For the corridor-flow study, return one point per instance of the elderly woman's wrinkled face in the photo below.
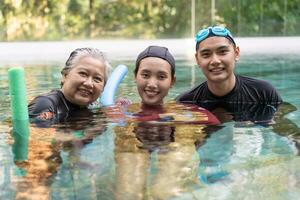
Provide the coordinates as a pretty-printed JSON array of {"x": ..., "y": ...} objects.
[{"x": 85, "y": 81}]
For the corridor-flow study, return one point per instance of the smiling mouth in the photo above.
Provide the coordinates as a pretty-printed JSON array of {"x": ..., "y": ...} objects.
[
  {"x": 85, "y": 93},
  {"x": 151, "y": 93},
  {"x": 217, "y": 70}
]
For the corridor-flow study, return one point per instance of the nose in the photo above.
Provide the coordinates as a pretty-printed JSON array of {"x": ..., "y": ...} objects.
[
  {"x": 88, "y": 82},
  {"x": 152, "y": 83},
  {"x": 215, "y": 60}
]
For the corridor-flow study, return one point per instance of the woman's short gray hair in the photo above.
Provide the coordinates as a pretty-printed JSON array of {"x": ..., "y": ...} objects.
[{"x": 79, "y": 53}]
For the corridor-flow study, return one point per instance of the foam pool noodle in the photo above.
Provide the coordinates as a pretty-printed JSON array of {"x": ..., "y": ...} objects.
[
  {"x": 108, "y": 95},
  {"x": 18, "y": 100}
]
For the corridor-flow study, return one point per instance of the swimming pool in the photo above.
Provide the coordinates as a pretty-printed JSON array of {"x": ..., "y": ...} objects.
[{"x": 99, "y": 158}]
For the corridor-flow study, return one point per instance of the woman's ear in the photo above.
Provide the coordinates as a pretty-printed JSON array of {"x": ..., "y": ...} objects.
[
  {"x": 63, "y": 79},
  {"x": 173, "y": 81}
]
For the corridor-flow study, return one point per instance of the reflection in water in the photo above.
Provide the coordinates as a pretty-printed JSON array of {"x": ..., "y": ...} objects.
[
  {"x": 21, "y": 139},
  {"x": 155, "y": 151},
  {"x": 284, "y": 126},
  {"x": 247, "y": 139},
  {"x": 44, "y": 154},
  {"x": 154, "y": 137},
  {"x": 256, "y": 113},
  {"x": 87, "y": 172},
  {"x": 154, "y": 162},
  {"x": 41, "y": 165},
  {"x": 166, "y": 158},
  {"x": 273, "y": 116},
  {"x": 237, "y": 158}
]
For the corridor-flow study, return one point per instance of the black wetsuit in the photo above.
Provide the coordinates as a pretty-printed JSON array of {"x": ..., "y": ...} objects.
[
  {"x": 250, "y": 99},
  {"x": 54, "y": 103}
]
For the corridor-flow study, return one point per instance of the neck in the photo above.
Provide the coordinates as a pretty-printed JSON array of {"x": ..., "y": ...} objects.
[
  {"x": 152, "y": 108},
  {"x": 222, "y": 88}
]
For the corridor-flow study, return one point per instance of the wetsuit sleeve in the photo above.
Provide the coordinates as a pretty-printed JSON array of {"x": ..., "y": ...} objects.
[
  {"x": 194, "y": 95},
  {"x": 39, "y": 106},
  {"x": 187, "y": 97}
]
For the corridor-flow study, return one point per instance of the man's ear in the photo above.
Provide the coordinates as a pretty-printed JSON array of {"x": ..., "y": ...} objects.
[
  {"x": 196, "y": 58},
  {"x": 237, "y": 53}
]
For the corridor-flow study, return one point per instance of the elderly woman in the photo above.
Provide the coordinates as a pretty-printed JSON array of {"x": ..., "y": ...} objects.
[{"x": 83, "y": 79}]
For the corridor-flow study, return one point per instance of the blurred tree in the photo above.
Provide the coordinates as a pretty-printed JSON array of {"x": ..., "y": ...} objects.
[
  {"x": 90, "y": 19},
  {"x": 6, "y": 10}
]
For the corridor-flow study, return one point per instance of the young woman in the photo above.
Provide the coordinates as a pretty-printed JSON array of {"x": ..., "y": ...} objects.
[
  {"x": 154, "y": 74},
  {"x": 83, "y": 79}
]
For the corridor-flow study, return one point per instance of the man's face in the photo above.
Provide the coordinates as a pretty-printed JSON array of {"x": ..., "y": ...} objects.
[{"x": 216, "y": 57}]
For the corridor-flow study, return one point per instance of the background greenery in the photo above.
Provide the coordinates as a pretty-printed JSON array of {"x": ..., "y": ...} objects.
[{"x": 98, "y": 19}]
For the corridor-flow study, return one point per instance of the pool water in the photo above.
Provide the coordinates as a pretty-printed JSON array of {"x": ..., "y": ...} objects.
[{"x": 101, "y": 156}]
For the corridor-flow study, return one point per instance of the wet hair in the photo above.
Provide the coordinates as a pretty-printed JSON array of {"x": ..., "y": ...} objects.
[
  {"x": 80, "y": 53},
  {"x": 158, "y": 52}
]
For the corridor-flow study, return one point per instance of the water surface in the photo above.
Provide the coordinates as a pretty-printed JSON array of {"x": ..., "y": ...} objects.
[{"x": 101, "y": 157}]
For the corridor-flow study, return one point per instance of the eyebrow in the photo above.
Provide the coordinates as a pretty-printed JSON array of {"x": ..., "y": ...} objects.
[
  {"x": 145, "y": 70},
  {"x": 223, "y": 47},
  {"x": 149, "y": 71},
  {"x": 97, "y": 74},
  {"x": 218, "y": 48},
  {"x": 82, "y": 68}
]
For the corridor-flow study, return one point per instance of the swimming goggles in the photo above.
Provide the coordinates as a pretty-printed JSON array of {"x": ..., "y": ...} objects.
[{"x": 213, "y": 31}]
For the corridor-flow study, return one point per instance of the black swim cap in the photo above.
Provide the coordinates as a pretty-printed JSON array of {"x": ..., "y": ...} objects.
[{"x": 159, "y": 52}]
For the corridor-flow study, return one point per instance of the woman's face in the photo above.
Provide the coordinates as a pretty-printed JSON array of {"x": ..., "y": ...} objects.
[
  {"x": 84, "y": 83},
  {"x": 153, "y": 79}
]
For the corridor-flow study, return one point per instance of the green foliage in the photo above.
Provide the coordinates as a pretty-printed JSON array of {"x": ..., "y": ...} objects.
[{"x": 92, "y": 19}]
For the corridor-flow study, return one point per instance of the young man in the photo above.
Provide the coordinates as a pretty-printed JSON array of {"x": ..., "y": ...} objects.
[{"x": 216, "y": 55}]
